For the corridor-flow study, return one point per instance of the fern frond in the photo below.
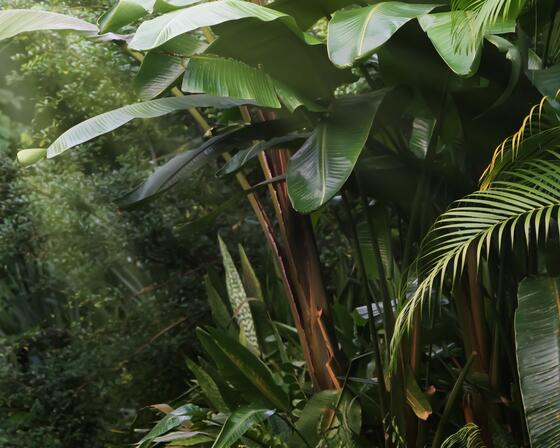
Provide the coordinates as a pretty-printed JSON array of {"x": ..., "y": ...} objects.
[
  {"x": 525, "y": 203},
  {"x": 540, "y": 129},
  {"x": 469, "y": 436}
]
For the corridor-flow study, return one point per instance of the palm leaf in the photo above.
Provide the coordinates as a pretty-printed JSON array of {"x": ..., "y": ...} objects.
[
  {"x": 537, "y": 339},
  {"x": 524, "y": 203},
  {"x": 16, "y": 21},
  {"x": 469, "y": 436}
]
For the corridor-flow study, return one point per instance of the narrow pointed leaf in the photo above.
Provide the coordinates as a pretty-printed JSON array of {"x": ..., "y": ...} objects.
[
  {"x": 238, "y": 423},
  {"x": 16, "y": 21},
  {"x": 537, "y": 339},
  {"x": 355, "y": 34},
  {"x": 208, "y": 386},
  {"x": 326, "y": 160},
  {"x": 229, "y": 78},
  {"x": 247, "y": 373}
]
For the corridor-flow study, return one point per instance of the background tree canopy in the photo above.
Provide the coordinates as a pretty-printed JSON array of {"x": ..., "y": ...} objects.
[{"x": 311, "y": 223}]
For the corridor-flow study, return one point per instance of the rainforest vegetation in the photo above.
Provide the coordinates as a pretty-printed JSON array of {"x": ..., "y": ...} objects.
[{"x": 287, "y": 223}]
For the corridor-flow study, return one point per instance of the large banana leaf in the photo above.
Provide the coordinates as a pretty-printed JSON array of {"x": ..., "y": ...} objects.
[
  {"x": 248, "y": 374},
  {"x": 355, "y": 34},
  {"x": 326, "y": 160},
  {"x": 109, "y": 121},
  {"x": 163, "y": 66},
  {"x": 123, "y": 13},
  {"x": 16, "y": 21},
  {"x": 172, "y": 5},
  {"x": 463, "y": 59},
  {"x": 537, "y": 339},
  {"x": 238, "y": 423},
  {"x": 304, "y": 69},
  {"x": 156, "y": 32},
  {"x": 229, "y": 78},
  {"x": 183, "y": 165}
]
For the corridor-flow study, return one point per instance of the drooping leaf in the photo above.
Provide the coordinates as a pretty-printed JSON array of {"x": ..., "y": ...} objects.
[
  {"x": 208, "y": 386},
  {"x": 238, "y": 423},
  {"x": 355, "y": 34},
  {"x": 463, "y": 59},
  {"x": 172, "y": 421},
  {"x": 156, "y": 32},
  {"x": 244, "y": 156},
  {"x": 229, "y": 78},
  {"x": 109, "y": 121},
  {"x": 183, "y": 165},
  {"x": 326, "y": 160},
  {"x": 248, "y": 374},
  {"x": 124, "y": 13},
  {"x": 163, "y": 66},
  {"x": 537, "y": 340},
  {"x": 16, "y": 21},
  {"x": 239, "y": 301}
]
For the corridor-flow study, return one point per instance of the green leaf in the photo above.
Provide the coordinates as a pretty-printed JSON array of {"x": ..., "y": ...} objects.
[
  {"x": 229, "y": 78},
  {"x": 208, "y": 386},
  {"x": 173, "y": 5},
  {"x": 250, "y": 279},
  {"x": 244, "y": 156},
  {"x": 537, "y": 340},
  {"x": 355, "y": 34},
  {"x": 417, "y": 399},
  {"x": 248, "y": 374},
  {"x": 326, "y": 160},
  {"x": 183, "y": 165},
  {"x": 513, "y": 54},
  {"x": 220, "y": 313},
  {"x": 469, "y": 436},
  {"x": 28, "y": 157},
  {"x": 124, "y": 13},
  {"x": 463, "y": 59},
  {"x": 156, "y": 32},
  {"x": 238, "y": 423},
  {"x": 171, "y": 421},
  {"x": 239, "y": 301},
  {"x": 16, "y": 21},
  {"x": 546, "y": 80},
  {"x": 163, "y": 66},
  {"x": 109, "y": 121}
]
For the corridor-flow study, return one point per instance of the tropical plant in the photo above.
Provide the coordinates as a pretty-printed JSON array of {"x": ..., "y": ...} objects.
[{"x": 393, "y": 115}]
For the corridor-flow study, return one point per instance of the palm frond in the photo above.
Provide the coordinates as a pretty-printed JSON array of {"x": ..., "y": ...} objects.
[
  {"x": 525, "y": 203},
  {"x": 469, "y": 436},
  {"x": 481, "y": 16},
  {"x": 540, "y": 129}
]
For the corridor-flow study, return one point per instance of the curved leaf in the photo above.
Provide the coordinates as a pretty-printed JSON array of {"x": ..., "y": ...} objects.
[
  {"x": 156, "y": 32},
  {"x": 462, "y": 58},
  {"x": 244, "y": 156},
  {"x": 16, "y": 21},
  {"x": 172, "y": 5},
  {"x": 326, "y": 160},
  {"x": 229, "y": 78},
  {"x": 27, "y": 157},
  {"x": 124, "y": 13},
  {"x": 355, "y": 34},
  {"x": 537, "y": 340},
  {"x": 238, "y": 423},
  {"x": 183, "y": 165},
  {"x": 248, "y": 374},
  {"x": 162, "y": 67},
  {"x": 109, "y": 121}
]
